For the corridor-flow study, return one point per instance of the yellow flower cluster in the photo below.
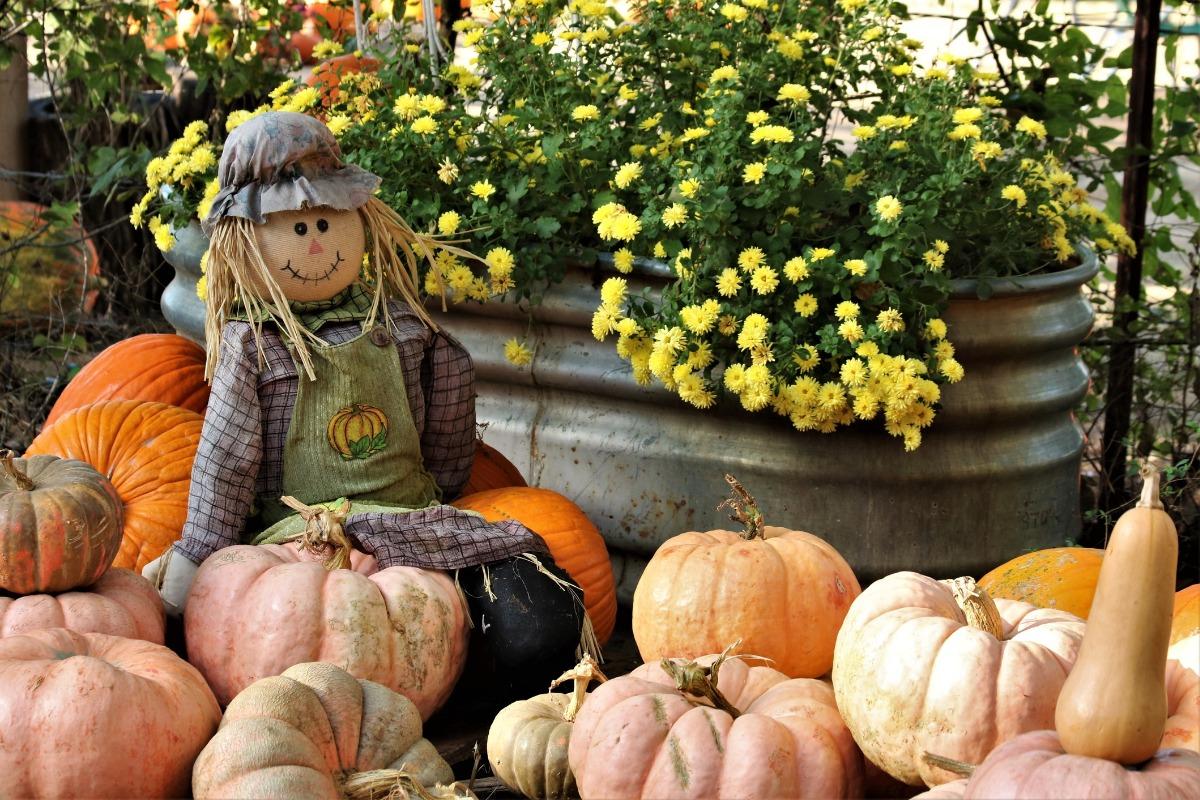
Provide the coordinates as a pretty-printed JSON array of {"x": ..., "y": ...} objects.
[
  {"x": 183, "y": 169},
  {"x": 614, "y": 222}
]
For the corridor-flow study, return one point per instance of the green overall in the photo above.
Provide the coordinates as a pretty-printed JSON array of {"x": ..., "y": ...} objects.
[{"x": 351, "y": 436}]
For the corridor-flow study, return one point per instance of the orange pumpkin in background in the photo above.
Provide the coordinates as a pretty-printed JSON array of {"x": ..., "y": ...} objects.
[
  {"x": 146, "y": 449},
  {"x": 491, "y": 470},
  {"x": 1057, "y": 577},
  {"x": 162, "y": 367},
  {"x": 1185, "y": 620},
  {"x": 59, "y": 268},
  {"x": 574, "y": 541}
]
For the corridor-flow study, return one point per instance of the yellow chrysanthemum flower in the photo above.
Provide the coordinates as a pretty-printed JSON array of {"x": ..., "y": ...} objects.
[
  {"x": 968, "y": 130},
  {"x": 750, "y": 258},
  {"x": 864, "y": 132},
  {"x": 689, "y": 188},
  {"x": 500, "y": 262},
  {"x": 776, "y": 134},
  {"x": 819, "y": 254},
  {"x": 888, "y": 208},
  {"x": 448, "y": 222},
  {"x": 626, "y": 174},
  {"x": 1014, "y": 193},
  {"x": 805, "y": 305},
  {"x": 483, "y": 189},
  {"x": 847, "y": 309},
  {"x": 517, "y": 353},
  {"x": 728, "y": 282},
  {"x": 764, "y": 280},
  {"x": 856, "y": 267},
  {"x": 1032, "y": 127},
  {"x": 756, "y": 118},
  {"x": 623, "y": 260},
  {"x": 796, "y": 269},
  {"x": 890, "y": 320},
  {"x": 794, "y": 93},
  {"x": 583, "y": 113},
  {"x": 675, "y": 214},
  {"x": 935, "y": 329},
  {"x": 754, "y": 172},
  {"x": 967, "y": 115}
]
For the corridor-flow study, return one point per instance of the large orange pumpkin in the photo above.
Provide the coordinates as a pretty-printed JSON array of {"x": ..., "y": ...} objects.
[
  {"x": 90, "y": 715},
  {"x": 147, "y": 450},
  {"x": 1186, "y": 618},
  {"x": 152, "y": 366},
  {"x": 491, "y": 470},
  {"x": 255, "y": 611},
  {"x": 122, "y": 603},
  {"x": 574, "y": 541},
  {"x": 60, "y": 524},
  {"x": 782, "y": 593},
  {"x": 1058, "y": 577}
]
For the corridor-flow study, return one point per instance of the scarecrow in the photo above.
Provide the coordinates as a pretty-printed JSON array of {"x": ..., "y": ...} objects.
[{"x": 331, "y": 382}]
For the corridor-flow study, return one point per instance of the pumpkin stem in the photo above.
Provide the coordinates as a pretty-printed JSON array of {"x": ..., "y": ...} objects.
[
  {"x": 583, "y": 673},
  {"x": 14, "y": 472},
  {"x": 694, "y": 679},
  {"x": 323, "y": 531},
  {"x": 977, "y": 606},
  {"x": 1151, "y": 480},
  {"x": 949, "y": 764},
  {"x": 744, "y": 509},
  {"x": 395, "y": 784}
]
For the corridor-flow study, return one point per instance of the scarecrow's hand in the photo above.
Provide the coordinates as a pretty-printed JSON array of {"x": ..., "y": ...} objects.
[{"x": 172, "y": 574}]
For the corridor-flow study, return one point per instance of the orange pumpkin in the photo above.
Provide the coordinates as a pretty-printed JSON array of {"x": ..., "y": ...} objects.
[
  {"x": 153, "y": 366},
  {"x": 47, "y": 274},
  {"x": 60, "y": 524},
  {"x": 1057, "y": 577},
  {"x": 122, "y": 603},
  {"x": 574, "y": 541},
  {"x": 1185, "y": 620},
  {"x": 147, "y": 450},
  {"x": 327, "y": 76},
  {"x": 491, "y": 470},
  {"x": 783, "y": 593}
]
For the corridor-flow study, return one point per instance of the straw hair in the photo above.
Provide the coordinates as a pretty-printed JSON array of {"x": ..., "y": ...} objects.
[{"x": 237, "y": 274}]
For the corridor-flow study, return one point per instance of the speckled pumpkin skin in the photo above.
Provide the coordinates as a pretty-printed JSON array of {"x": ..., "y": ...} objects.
[{"x": 255, "y": 611}]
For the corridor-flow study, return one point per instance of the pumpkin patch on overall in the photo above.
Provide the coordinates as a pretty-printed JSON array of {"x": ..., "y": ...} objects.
[
  {"x": 641, "y": 736},
  {"x": 309, "y": 731},
  {"x": 60, "y": 524},
  {"x": 574, "y": 542},
  {"x": 1058, "y": 577},
  {"x": 929, "y": 666},
  {"x": 358, "y": 431},
  {"x": 90, "y": 715},
  {"x": 146, "y": 449},
  {"x": 121, "y": 603},
  {"x": 782, "y": 593},
  {"x": 160, "y": 367},
  {"x": 254, "y": 611}
]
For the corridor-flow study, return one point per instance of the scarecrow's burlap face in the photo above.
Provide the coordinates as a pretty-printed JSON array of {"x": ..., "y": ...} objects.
[{"x": 313, "y": 253}]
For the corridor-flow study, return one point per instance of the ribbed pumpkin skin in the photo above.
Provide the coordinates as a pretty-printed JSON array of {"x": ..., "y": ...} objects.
[
  {"x": 1063, "y": 578},
  {"x": 89, "y": 715},
  {"x": 784, "y": 596},
  {"x": 1185, "y": 620},
  {"x": 255, "y": 611},
  {"x": 63, "y": 533},
  {"x": 161, "y": 367},
  {"x": 295, "y": 734},
  {"x": 574, "y": 541},
  {"x": 637, "y": 737},
  {"x": 527, "y": 747},
  {"x": 1183, "y": 708},
  {"x": 121, "y": 603},
  {"x": 911, "y": 677},
  {"x": 1034, "y": 766},
  {"x": 491, "y": 470},
  {"x": 147, "y": 450}
]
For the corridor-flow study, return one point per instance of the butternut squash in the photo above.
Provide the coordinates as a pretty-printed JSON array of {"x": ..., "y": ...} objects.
[{"x": 1114, "y": 703}]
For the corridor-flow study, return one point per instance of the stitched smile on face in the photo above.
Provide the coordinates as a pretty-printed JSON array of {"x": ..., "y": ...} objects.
[{"x": 312, "y": 253}]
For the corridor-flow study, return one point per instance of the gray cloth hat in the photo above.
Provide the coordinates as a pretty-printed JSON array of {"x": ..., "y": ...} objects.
[{"x": 284, "y": 161}]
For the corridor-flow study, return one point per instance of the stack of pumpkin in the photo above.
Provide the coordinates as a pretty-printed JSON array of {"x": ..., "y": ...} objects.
[{"x": 908, "y": 684}]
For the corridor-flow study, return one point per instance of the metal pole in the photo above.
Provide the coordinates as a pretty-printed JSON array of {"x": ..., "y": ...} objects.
[{"x": 1128, "y": 289}]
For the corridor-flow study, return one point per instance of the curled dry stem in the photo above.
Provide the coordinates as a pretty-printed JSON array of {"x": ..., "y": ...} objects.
[
  {"x": 700, "y": 681},
  {"x": 14, "y": 473},
  {"x": 744, "y": 509},
  {"x": 977, "y": 606},
  {"x": 582, "y": 674},
  {"x": 323, "y": 531},
  {"x": 395, "y": 784}
]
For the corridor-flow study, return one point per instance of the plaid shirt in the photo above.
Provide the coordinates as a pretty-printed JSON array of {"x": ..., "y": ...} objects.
[{"x": 240, "y": 457}]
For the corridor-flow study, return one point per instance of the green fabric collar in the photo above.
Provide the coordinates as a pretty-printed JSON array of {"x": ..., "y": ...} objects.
[{"x": 349, "y": 305}]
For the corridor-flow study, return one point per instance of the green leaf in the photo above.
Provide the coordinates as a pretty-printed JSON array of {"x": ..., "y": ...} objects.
[{"x": 546, "y": 226}]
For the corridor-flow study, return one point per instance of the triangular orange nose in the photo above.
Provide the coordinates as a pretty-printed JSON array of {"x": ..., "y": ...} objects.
[{"x": 315, "y": 248}]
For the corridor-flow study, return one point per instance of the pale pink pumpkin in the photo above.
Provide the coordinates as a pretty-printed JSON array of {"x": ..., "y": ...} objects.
[
  {"x": 1183, "y": 708},
  {"x": 912, "y": 676},
  {"x": 637, "y": 736},
  {"x": 121, "y": 603},
  {"x": 1034, "y": 766},
  {"x": 255, "y": 611},
  {"x": 90, "y": 715}
]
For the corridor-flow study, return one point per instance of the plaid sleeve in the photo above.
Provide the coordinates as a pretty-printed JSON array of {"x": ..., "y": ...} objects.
[
  {"x": 448, "y": 440},
  {"x": 230, "y": 451}
]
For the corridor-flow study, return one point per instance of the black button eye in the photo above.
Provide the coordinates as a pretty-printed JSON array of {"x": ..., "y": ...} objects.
[
  {"x": 301, "y": 228},
  {"x": 322, "y": 225}
]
